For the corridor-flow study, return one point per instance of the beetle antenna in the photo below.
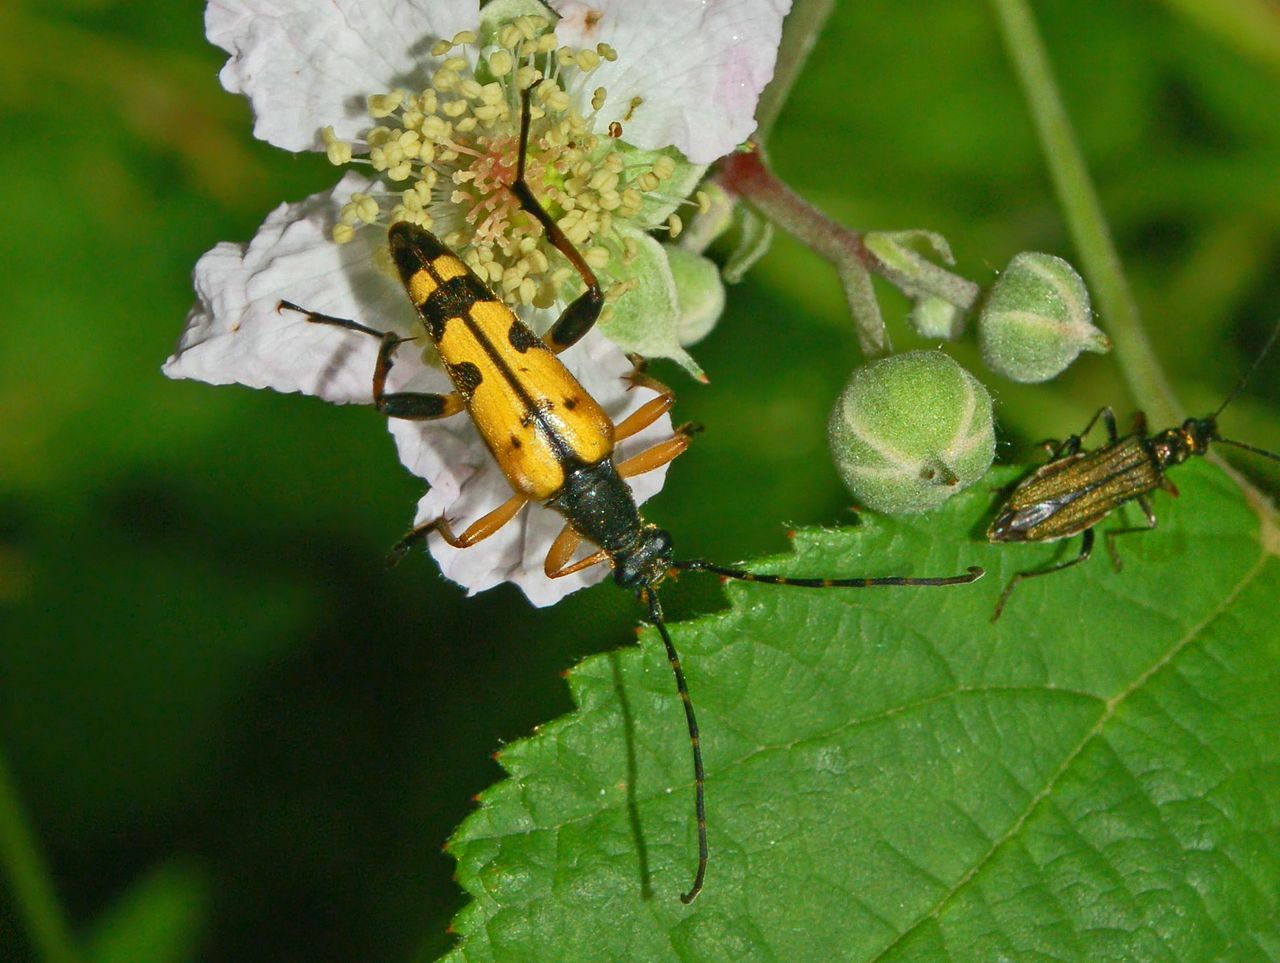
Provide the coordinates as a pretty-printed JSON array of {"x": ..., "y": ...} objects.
[
  {"x": 1257, "y": 451},
  {"x": 974, "y": 573},
  {"x": 699, "y": 776},
  {"x": 1247, "y": 375}
]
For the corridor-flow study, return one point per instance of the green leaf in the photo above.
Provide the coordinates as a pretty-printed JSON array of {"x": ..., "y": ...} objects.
[
  {"x": 159, "y": 919},
  {"x": 892, "y": 776}
]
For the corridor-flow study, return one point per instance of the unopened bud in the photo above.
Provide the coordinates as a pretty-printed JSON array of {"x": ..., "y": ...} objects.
[
  {"x": 1037, "y": 319},
  {"x": 935, "y": 317},
  {"x": 911, "y": 430}
]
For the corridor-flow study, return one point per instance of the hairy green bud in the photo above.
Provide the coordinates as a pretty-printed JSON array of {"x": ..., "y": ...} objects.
[
  {"x": 911, "y": 430},
  {"x": 1037, "y": 319}
]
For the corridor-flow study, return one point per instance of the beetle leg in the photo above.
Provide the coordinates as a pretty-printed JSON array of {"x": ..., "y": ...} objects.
[
  {"x": 643, "y": 417},
  {"x": 558, "y": 565},
  {"x": 1111, "y": 535},
  {"x": 1073, "y": 442},
  {"x": 477, "y": 531},
  {"x": 578, "y": 317},
  {"x": 409, "y": 405},
  {"x": 1086, "y": 547},
  {"x": 654, "y": 457}
]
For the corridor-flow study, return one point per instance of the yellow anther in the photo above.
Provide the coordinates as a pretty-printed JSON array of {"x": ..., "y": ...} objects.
[
  {"x": 464, "y": 38},
  {"x": 436, "y": 128},
  {"x": 603, "y": 180},
  {"x": 704, "y": 201},
  {"x": 337, "y": 151},
  {"x": 456, "y": 64},
  {"x": 470, "y": 88},
  {"x": 610, "y": 201},
  {"x": 378, "y": 159},
  {"x": 598, "y": 97},
  {"x": 646, "y": 182},
  {"x": 597, "y": 257},
  {"x": 606, "y": 52},
  {"x": 378, "y": 136},
  {"x": 366, "y": 207},
  {"x": 546, "y": 43},
  {"x": 343, "y": 233},
  {"x": 564, "y": 56},
  {"x": 527, "y": 76},
  {"x": 527, "y": 26},
  {"x": 383, "y": 105},
  {"x": 675, "y": 225},
  {"x": 509, "y": 37},
  {"x": 488, "y": 113},
  {"x": 444, "y": 80},
  {"x": 400, "y": 171},
  {"x": 587, "y": 60},
  {"x": 500, "y": 63},
  {"x": 440, "y": 48},
  {"x": 459, "y": 197},
  {"x": 614, "y": 163},
  {"x": 664, "y": 167},
  {"x": 428, "y": 102},
  {"x": 558, "y": 100},
  {"x": 492, "y": 93},
  {"x": 467, "y": 124},
  {"x": 412, "y": 119},
  {"x": 427, "y": 152},
  {"x": 527, "y": 290},
  {"x": 632, "y": 200},
  {"x": 538, "y": 262}
]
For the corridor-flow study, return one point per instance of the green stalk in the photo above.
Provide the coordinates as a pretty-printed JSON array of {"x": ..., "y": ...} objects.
[
  {"x": 34, "y": 899},
  {"x": 1086, "y": 222}
]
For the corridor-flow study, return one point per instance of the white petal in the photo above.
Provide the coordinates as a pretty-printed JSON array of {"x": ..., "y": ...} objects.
[
  {"x": 466, "y": 483},
  {"x": 236, "y": 334},
  {"x": 306, "y": 64},
  {"x": 699, "y": 66}
]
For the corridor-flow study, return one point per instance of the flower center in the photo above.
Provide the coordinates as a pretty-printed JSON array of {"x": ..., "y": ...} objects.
[{"x": 454, "y": 145}]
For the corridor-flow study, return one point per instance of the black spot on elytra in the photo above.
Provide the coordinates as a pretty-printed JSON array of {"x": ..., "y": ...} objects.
[
  {"x": 466, "y": 378},
  {"x": 453, "y": 299},
  {"x": 521, "y": 338},
  {"x": 570, "y": 404},
  {"x": 515, "y": 442}
]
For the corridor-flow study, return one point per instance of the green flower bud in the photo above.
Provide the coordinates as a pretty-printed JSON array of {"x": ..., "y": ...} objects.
[
  {"x": 937, "y": 318},
  {"x": 911, "y": 430},
  {"x": 1037, "y": 319},
  {"x": 699, "y": 294}
]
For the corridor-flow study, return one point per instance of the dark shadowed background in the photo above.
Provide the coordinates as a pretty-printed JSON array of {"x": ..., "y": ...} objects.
[{"x": 224, "y": 716}]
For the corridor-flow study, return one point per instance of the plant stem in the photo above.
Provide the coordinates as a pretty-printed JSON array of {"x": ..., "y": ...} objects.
[
  {"x": 1083, "y": 213},
  {"x": 32, "y": 888},
  {"x": 747, "y": 175},
  {"x": 800, "y": 32}
]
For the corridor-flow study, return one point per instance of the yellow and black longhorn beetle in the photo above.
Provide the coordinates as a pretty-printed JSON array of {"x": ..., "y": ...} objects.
[
  {"x": 551, "y": 439},
  {"x": 1075, "y": 489}
]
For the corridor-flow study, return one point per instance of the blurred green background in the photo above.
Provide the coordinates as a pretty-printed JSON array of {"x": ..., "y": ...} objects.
[{"x": 237, "y": 735}]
